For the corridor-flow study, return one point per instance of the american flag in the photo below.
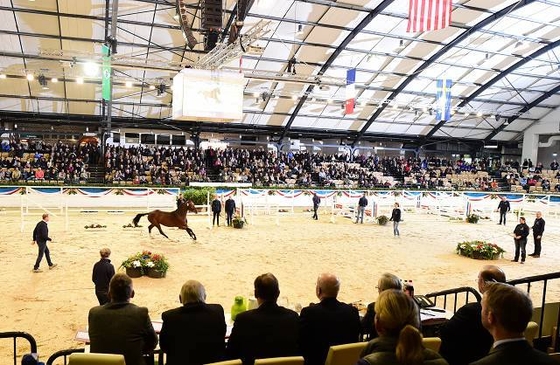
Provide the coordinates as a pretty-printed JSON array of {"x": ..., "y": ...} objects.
[{"x": 426, "y": 15}]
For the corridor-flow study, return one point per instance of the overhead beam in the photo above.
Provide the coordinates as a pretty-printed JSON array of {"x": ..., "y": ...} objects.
[
  {"x": 525, "y": 109},
  {"x": 490, "y": 19},
  {"x": 364, "y": 23}
]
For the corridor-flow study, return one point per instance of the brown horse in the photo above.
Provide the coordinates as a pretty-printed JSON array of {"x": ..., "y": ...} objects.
[{"x": 177, "y": 218}]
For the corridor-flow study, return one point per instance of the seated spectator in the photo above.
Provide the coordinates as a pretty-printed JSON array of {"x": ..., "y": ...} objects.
[
  {"x": 39, "y": 174},
  {"x": 328, "y": 323},
  {"x": 120, "y": 327},
  {"x": 268, "y": 331},
  {"x": 463, "y": 338},
  {"x": 386, "y": 281},
  {"x": 399, "y": 342},
  {"x": 194, "y": 333},
  {"x": 506, "y": 311}
]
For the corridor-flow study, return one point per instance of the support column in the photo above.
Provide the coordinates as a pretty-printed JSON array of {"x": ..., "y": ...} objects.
[{"x": 530, "y": 147}]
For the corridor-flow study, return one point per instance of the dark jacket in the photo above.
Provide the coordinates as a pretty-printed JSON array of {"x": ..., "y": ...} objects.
[
  {"x": 230, "y": 205},
  {"x": 193, "y": 334},
  {"x": 121, "y": 328},
  {"x": 326, "y": 324},
  {"x": 267, "y": 331},
  {"x": 396, "y": 215},
  {"x": 515, "y": 353},
  {"x": 522, "y": 230},
  {"x": 382, "y": 351},
  {"x": 102, "y": 273},
  {"x": 367, "y": 322},
  {"x": 504, "y": 206},
  {"x": 538, "y": 227},
  {"x": 41, "y": 232},
  {"x": 363, "y": 202},
  {"x": 463, "y": 338},
  {"x": 316, "y": 200},
  {"x": 216, "y": 206}
]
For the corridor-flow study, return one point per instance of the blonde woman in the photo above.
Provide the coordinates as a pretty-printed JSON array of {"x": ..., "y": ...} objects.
[{"x": 399, "y": 342}]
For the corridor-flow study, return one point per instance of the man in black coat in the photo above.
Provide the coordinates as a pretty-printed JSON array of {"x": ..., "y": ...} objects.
[
  {"x": 120, "y": 327},
  {"x": 506, "y": 311},
  {"x": 538, "y": 230},
  {"x": 328, "y": 323},
  {"x": 503, "y": 208},
  {"x": 102, "y": 273},
  {"x": 362, "y": 204},
  {"x": 463, "y": 338},
  {"x": 267, "y": 331},
  {"x": 216, "y": 210},
  {"x": 194, "y": 333},
  {"x": 520, "y": 234},
  {"x": 230, "y": 210},
  {"x": 40, "y": 237},
  {"x": 316, "y": 201}
]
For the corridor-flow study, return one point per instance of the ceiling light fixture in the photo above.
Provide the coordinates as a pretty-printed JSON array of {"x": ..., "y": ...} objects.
[
  {"x": 479, "y": 114},
  {"x": 43, "y": 82},
  {"x": 91, "y": 68},
  {"x": 401, "y": 44},
  {"x": 152, "y": 87},
  {"x": 161, "y": 89},
  {"x": 54, "y": 80},
  {"x": 255, "y": 95},
  {"x": 2, "y": 76},
  {"x": 128, "y": 84},
  {"x": 30, "y": 77},
  {"x": 299, "y": 29},
  {"x": 79, "y": 80},
  {"x": 294, "y": 97}
]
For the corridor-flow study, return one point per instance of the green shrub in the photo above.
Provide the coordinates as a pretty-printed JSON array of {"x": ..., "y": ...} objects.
[
  {"x": 382, "y": 220},
  {"x": 473, "y": 218},
  {"x": 199, "y": 195}
]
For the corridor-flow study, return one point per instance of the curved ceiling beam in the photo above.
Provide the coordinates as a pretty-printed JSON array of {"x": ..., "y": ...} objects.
[
  {"x": 497, "y": 78},
  {"x": 364, "y": 23},
  {"x": 526, "y": 108},
  {"x": 437, "y": 55}
]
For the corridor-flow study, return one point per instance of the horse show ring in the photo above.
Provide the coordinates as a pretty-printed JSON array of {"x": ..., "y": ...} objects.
[{"x": 54, "y": 304}]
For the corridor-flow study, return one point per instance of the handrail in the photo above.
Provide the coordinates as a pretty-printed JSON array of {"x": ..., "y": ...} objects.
[
  {"x": 63, "y": 353},
  {"x": 455, "y": 291},
  {"x": 15, "y": 335}
]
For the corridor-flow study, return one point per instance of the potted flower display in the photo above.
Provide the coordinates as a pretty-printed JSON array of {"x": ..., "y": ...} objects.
[
  {"x": 135, "y": 265},
  {"x": 480, "y": 250},
  {"x": 238, "y": 221},
  {"x": 382, "y": 220},
  {"x": 95, "y": 226},
  {"x": 157, "y": 266},
  {"x": 473, "y": 218}
]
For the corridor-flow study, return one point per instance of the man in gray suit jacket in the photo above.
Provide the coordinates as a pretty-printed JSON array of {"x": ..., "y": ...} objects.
[
  {"x": 506, "y": 311},
  {"x": 120, "y": 327}
]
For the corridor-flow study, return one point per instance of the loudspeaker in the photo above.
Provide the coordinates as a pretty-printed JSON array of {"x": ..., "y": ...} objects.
[{"x": 211, "y": 14}]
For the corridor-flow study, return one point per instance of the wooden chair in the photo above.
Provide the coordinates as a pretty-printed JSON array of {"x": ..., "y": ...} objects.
[
  {"x": 290, "y": 360},
  {"x": 531, "y": 332},
  {"x": 432, "y": 343},
  {"x": 227, "y": 362},
  {"x": 95, "y": 359},
  {"x": 347, "y": 354}
]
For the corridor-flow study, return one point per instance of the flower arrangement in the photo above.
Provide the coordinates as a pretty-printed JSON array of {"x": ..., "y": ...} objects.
[
  {"x": 473, "y": 218},
  {"x": 95, "y": 226},
  {"x": 239, "y": 221},
  {"x": 480, "y": 250},
  {"x": 130, "y": 225},
  {"x": 146, "y": 263},
  {"x": 158, "y": 263}
]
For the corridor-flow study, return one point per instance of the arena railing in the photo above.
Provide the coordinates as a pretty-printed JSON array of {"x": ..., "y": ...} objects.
[
  {"x": 64, "y": 354},
  {"x": 15, "y": 335},
  {"x": 456, "y": 292}
]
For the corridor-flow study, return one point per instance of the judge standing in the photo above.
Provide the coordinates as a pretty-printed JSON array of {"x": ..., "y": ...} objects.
[
  {"x": 520, "y": 234},
  {"x": 538, "y": 230},
  {"x": 230, "y": 210},
  {"x": 40, "y": 237}
]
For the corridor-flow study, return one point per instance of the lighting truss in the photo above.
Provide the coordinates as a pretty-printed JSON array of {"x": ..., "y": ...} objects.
[{"x": 224, "y": 53}]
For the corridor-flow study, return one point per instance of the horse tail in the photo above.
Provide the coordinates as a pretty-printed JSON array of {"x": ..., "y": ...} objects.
[{"x": 137, "y": 218}]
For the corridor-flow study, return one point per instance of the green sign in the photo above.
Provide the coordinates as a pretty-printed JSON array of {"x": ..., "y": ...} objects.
[{"x": 106, "y": 77}]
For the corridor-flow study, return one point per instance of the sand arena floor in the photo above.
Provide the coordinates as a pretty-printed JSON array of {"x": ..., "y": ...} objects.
[{"x": 54, "y": 304}]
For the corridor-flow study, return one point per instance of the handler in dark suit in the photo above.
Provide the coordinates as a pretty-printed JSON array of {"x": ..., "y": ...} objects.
[
  {"x": 102, "y": 273},
  {"x": 506, "y": 311},
  {"x": 463, "y": 338},
  {"x": 194, "y": 333},
  {"x": 230, "y": 210},
  {"x": 120, "y": 327},
  {"x": 216, "y": 210},
  {"x": 328, "y": 323},
  {"x": 41, "y": 236},
  {"x": 267, "y": 331}
]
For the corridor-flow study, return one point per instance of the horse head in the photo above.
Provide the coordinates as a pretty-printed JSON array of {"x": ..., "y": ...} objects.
[{"x": 187, "y": 205}]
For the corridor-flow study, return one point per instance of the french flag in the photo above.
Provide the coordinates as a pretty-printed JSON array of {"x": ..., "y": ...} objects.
[{"x": 350, "y": 99}]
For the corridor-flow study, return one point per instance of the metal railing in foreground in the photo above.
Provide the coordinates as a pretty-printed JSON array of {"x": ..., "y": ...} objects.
[
  {"x": 456, "y": 292},
  {"x": 15, "y": 335},
  {"x": 64, "y": 354}
]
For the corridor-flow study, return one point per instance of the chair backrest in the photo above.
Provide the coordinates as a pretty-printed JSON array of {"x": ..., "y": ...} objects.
[
  {"x": 347, "y": 354},
  {"x": 95, "y": 359},
  {"x": 555, "y": 356},
  {"x": 227, "y": 362},
  {"x": 290, "y": 360},
  {"x": 531, "y": 332},
  {"x": 432, "y": 343}
]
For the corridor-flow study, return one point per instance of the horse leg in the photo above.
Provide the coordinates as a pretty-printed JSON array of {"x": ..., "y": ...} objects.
[
  {"x": 191, "y": 233},
  {"x": 150, "y": 229},
  {"x": 160, "y": 231}
]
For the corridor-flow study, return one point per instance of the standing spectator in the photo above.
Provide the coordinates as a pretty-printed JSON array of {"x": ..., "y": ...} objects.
[
  {"x": 463, "y": 338},
  {"x": 216, "y": 210},
  {"x": 121, "y": 327},
  {"x": 230, "y": 210},
  {"x": 396, "y": 218},
  {"x": 520, "y": 234},
  {"x": 268, "y": 331},
  {"x": 506, "y": 311},
  {"x": 503, "y": 207},
  {"x": 399, "y": 342},
  {"x": 40, "y": 237},
  {"x": 538, "y": 230},
  {"x": 328, "y": 323},
  {"x": 316, "y": 201},
  {"x": 193, "y": 334},
  {"x": 362, "y": 204},
  {"x": 103, "y": 271}
]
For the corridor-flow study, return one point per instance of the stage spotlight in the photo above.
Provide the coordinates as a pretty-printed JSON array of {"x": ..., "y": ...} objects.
[
  {"x": 161, "y": 90},
  {"x": 292, "y": 66},
  {"x": 211, "y": 39},
  {"x": 54, "y": 80},
  {"x": 91, "y": 69}
]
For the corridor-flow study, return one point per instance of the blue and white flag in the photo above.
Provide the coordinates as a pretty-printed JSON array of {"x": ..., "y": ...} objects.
[{"x": 443, "y": 100}]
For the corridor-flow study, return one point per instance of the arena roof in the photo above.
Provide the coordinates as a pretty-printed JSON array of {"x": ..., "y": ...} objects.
[{"x": 499, "y": 54}]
